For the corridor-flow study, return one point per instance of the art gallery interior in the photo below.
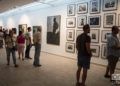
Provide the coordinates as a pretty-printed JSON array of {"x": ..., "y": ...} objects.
[{"x": 59, "y": 55}]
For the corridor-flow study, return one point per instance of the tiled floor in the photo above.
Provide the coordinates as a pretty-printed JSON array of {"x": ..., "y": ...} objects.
[{"x": 55, "y": 71}]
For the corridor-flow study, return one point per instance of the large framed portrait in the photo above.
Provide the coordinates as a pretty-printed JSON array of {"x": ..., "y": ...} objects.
[
  {"x": 94, "y": 21},
  {"x": 70, "y": 47},
  {"x": 71, "y": 10},
  {"x": 110, "y": 5},
  {"x": 23, "y": 28},
  {"x": 109, "y": 19},
  {"x": 94, "y": 34},
  {"x": 53, "y": 29},
  {"x": 70, "y": 34},
  {"x": 104, "y": 51},
  {"x": 70, "y": 22},
  {"x": 105, "y": 34},
  {"x": 95, "y": 50},
  {"x": 82, "y": 7},
  {"x": 95, "y": 6},
  {"x": 81, "y": 21},
  {"x": 78, "y": 32}
]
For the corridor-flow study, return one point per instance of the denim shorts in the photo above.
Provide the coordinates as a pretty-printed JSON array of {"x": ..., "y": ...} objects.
[{"x": 84, "y": 61}]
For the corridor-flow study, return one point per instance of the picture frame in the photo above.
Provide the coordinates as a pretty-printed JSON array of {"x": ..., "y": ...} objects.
[
  {"x": 109, "y": 5},
  {"x": 95, "y": 50},
  {"x": 94, "y": 34},
  {"x": 95, "y": 6},
  {"x": 70, "y": 47},
  {"x": 104, "y": 51},
  {"x": 71, "y": 22},
  {"x": 104, "y": 35},
  {"x": 1, "y": 27},
  {"x": 82, "y": 8},
  {"x": 94, "y": 21},
  {"x": 78, "y": 32},
  {"x": 109, "y": 20},
  {"x": 35, "y": 29},
  {"x": 71, "y": 10},
  {"x": 70, "y": 34},
  {"x": 81, "y": 21},
  {"x": 23, "y": 28}
]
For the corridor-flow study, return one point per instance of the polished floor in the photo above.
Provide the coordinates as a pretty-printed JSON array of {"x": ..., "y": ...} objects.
[{"x": 55, "y": 71}]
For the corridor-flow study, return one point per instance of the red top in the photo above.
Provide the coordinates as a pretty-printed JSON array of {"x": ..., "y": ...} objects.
[{"x": 21, "y": 39}]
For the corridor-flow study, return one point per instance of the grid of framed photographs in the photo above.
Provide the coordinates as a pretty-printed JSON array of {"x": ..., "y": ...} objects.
[{"x": 83, "y": 13}]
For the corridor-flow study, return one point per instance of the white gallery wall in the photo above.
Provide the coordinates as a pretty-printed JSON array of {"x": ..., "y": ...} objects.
[{"x": 36, "y": 16}]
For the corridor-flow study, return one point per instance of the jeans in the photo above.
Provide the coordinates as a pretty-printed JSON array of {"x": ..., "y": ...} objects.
[
  {"x": 37, "y": 54},
  {"x": 27, "y": 51},
  {"x": 9, "y": 51}
]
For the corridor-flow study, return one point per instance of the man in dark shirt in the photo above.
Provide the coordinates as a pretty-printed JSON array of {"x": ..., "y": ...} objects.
[{"x": 84, "y": 54}]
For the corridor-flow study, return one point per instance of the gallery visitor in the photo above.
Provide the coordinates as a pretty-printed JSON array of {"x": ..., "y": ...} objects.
[
  {"x": 10, "y": 43},
  {"x": 21, "y": 44},
  {"x": 37, "y": 44},
  {"x": 113, "y": 52},
  {"x": 28, "y": 43},
  {"x": 84, "y": 55}
]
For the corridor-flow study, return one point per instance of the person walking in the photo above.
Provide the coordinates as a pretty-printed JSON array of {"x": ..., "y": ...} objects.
[
  {"x": 37, "y": 44},
  {"x": 113, "y": 52},
  {"x": 84, "y": 55}
]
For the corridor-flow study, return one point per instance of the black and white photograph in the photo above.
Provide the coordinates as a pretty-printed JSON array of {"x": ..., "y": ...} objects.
[
  {"x": 23, "y": 28},
  {"x": 109, "y": 20},
  {"x": 95, "y": 6},
  {"x": 94, "y": 21},
  {"x": 95, "y": 50},
  {"x": 81, "y": 21},
  {"x": 70, "y": 34},
  {"x": 105, "y": 34},
  {"x": 94, "y": 34},
  {"x": 82, "y": 7},
  {"x": 104, "y": 51},
  {"x": 35, "y": 29},
  {"x": 109, "y": 5},
  {"x": 53, "y": 29},
  {"x": 71, "y": 10},
  {"x": 70, "y": 47},
  {"x": 71, "y": 22}
]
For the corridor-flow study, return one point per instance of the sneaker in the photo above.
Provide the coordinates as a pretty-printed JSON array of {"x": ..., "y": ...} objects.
[
  {"x": 38, "y": 65},
  {"x": 107, "y": 76},
  {"x": 16, "y": 65}
]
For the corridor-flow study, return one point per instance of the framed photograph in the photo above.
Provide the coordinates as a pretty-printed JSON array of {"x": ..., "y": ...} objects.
[
  {"x": 104, "y": 51},
  {"x": 95, "y": 50},
  {"x": 35, "y": 29},
  {"x": 71, "y": 22},
  {"x": 53, "y": 29},
  {"x": 94, "y": 21},
  {"x": 109, "y": 19},
  {"x": 81, "y": 21},
  {"x": 70, "y": 34},
  {"x": 71, "y": 10},
  {"x": 105, "y": 34},
  {"x": 94, "y": 34},
  {"x": 95, "y": 6},
  {"x": 109, "y": 5},
  {"x": 23, "y": 28},
  {"x": 0, "y": 27},
  {"x": 82, "y": 7},
  {"x": 70, "y": 47},
  {"x": 78, "y": 32}
]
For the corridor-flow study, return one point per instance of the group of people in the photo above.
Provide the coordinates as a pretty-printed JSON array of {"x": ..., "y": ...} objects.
[
  {"x": 15, "y": 43},
  {"x": 84, "y": 54}
]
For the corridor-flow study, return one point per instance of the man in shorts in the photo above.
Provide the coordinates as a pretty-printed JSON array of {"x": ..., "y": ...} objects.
[{"x": 84, "y": 54}]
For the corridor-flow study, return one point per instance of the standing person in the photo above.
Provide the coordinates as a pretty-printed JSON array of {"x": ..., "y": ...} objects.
[
  {"x": 113, "y": 52},
  {"x": 9, "y": 48},
  {"x": 84, "y": 54},
  {"x": 28, "y": 43},
  {"x": 37, "y": 43},
  {"x": 1, "y": 38},
  {"x": 20, "y": 44}
]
